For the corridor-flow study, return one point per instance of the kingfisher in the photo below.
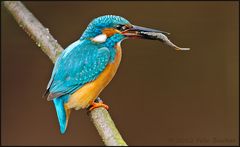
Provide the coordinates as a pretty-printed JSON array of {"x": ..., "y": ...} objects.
[{"x": 87, "y": 66}]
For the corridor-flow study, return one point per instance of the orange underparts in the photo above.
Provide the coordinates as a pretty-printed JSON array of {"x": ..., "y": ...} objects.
[
  {"x": 85, "y": 96},
  {"x": 110, "y": 31}
]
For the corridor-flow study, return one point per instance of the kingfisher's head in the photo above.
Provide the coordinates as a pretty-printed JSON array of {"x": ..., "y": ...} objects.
[
  {"x": 105, "y": 27},
  {"x": 112, "y": 29}
]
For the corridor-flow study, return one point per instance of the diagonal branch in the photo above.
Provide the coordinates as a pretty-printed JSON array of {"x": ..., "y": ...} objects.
[{"x": 100, "y": 117}]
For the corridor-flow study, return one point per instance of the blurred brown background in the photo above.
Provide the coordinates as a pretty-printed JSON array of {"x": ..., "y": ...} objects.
[{"x": 158, "y": 97}]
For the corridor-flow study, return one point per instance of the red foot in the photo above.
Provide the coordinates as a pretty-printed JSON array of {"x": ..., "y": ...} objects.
[{"x": 96, "y": 105}]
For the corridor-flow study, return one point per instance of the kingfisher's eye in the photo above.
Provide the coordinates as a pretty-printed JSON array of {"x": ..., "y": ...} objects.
[
  {"x": 118, "y": 27},
  {"x": 121, "y": 27}
]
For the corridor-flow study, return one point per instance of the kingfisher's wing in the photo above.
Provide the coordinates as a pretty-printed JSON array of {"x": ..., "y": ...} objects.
[{"x": 80, "y": 63}]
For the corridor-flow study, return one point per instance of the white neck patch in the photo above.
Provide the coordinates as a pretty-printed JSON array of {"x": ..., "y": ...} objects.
[{"x": 100, "y": 38}]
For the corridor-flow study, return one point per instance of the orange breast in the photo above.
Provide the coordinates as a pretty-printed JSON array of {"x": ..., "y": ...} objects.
[{"x": 85, "y": 96}]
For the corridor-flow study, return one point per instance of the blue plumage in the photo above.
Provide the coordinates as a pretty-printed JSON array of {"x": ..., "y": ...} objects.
[
  {"x": 107, "y": 21},
  {"x": 84, "y": 60},
  {"x": 73, "y": 69},
  {"x": 80, "y": 63},
  {"x": 61, "y": 114}
]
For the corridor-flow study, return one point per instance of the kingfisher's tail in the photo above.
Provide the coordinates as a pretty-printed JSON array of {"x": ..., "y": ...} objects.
[{"x": 63, "y": 112}]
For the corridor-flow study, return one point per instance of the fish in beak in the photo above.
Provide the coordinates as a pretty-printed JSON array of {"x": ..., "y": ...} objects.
[{"x": 152, "y": 34}]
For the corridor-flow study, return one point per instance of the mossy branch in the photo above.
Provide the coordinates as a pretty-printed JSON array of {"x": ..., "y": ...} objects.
[{"x": 41, "y": 36}]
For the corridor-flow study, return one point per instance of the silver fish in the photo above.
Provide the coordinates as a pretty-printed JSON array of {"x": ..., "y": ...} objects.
[{"x": 163, "y": 38}]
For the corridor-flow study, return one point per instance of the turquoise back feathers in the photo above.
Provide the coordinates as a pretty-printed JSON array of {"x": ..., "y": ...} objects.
[{"x": 77, "y": 65}]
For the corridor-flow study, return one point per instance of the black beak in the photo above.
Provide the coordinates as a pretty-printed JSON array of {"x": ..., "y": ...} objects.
[
  {"x": 152, "y": 34},
  {"x": 143, "y": 29},
  {"x": 139, "y": 32}
]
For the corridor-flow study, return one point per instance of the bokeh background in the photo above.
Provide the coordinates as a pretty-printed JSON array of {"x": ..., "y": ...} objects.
[{"x": 159, "y": 96}]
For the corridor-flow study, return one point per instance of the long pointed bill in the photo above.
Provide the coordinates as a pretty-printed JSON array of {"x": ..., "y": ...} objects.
[{"x": 147, "y": 33}]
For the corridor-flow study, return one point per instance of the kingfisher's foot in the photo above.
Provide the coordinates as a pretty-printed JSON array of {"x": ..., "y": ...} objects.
[{"x": 97, "y": 103}]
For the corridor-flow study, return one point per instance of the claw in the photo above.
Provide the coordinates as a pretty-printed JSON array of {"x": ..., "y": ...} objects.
[{"x": 98, "y": 104}]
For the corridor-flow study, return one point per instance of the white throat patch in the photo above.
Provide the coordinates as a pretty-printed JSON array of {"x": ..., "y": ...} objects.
[{"x": 100, "y": 38}]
